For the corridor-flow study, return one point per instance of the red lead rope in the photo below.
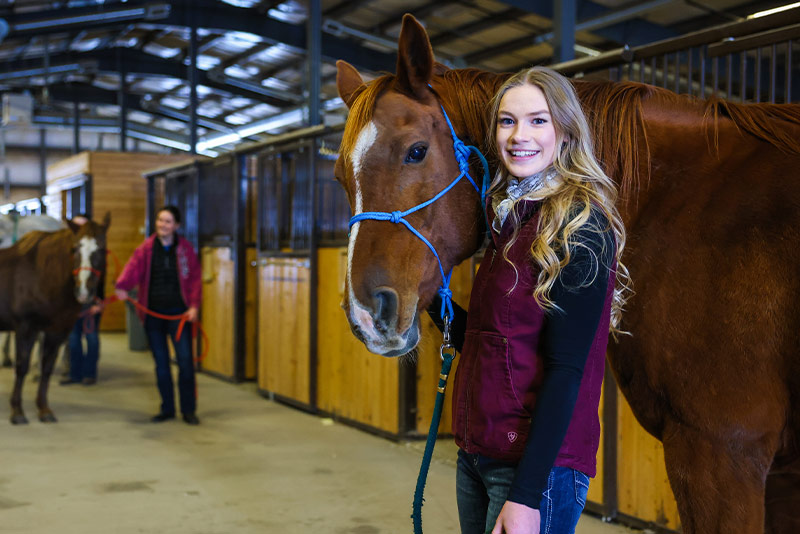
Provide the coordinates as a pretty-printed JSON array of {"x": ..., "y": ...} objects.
[{"x": 89, "y": 324}]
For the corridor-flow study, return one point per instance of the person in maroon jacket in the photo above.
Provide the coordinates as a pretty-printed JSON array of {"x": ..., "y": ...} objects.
[
  {"x": 166, "y": 270},
  {"x": 548, "y": 291}
]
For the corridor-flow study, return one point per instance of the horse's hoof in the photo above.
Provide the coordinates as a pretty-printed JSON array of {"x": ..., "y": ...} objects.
[
  {"x": 19, "y": 419},
  {"x": 7, "y": 363},
  {"x": 47, "y": 417}
]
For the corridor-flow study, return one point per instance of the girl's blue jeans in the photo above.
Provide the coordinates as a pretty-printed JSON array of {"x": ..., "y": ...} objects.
[{"x": 482, "y": 486}]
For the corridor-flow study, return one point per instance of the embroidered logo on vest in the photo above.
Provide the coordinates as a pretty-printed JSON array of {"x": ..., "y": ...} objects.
[{"x": 512, "y": 437}]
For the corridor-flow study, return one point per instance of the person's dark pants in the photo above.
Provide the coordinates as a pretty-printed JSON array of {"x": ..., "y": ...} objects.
[
  {"x": 84, "y": 364},
  {"x": 157, "y": 331}
]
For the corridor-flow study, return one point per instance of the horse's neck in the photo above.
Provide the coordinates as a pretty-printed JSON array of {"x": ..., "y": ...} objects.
[
  {"x": 50, "y": 256},
  {"x": 466, "y": 93}
]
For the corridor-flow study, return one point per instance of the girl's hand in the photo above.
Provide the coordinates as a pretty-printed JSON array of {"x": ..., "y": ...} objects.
[
  {"x": 121, "y": 294},
  {"x": 191, "y": 314},
  {"x": 517, "y": 518}
]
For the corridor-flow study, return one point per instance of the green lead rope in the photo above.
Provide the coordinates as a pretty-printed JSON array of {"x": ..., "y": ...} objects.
[{"x": 448, "y": 354}]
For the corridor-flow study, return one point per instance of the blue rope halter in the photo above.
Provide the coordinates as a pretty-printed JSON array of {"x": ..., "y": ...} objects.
[{"x": 462, "y": 153}]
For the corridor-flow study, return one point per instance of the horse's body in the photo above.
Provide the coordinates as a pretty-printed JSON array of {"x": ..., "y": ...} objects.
[
  {"x": 44, "y": 280},
  {"x": 11, "y": 230},
  {"x": 711, "y": 202}
]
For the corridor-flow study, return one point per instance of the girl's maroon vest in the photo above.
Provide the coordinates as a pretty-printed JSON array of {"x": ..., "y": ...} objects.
[{"x": 500, "y": 370}]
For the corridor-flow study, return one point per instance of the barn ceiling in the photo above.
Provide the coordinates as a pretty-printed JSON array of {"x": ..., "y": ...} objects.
[{"x": 95, "y": 56}]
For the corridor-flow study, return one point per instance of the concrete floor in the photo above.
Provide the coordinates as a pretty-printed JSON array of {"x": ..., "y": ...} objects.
[{"x": 252, "y": 466}]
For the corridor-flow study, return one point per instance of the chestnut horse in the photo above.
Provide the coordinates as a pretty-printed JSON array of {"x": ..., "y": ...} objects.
[
  {"x": 711, "y": 202},
  {"x": 45, "y": 278}
]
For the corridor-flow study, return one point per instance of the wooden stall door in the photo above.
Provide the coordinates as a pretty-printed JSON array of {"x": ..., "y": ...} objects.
[
  {"x": 352, "y": 382},
  {"x": 218, "y": 293},
  {"x": 644, "y": 490},
  {"x": 283, "y": 336}
]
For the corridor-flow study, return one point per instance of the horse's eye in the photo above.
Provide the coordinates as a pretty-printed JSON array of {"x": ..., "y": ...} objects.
[{"x": 416, "y": 154}]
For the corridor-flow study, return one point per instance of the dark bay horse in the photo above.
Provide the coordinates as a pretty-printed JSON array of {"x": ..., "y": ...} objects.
[
  {"x": 45, "y": 278},
  {"x": 711, "y": 201}
]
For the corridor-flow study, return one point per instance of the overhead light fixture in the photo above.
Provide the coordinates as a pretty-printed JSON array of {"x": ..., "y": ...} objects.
[
  {"x": 586, "y": 50},
  {"x": 147, "y": 12},
  {"x": 264, "y": 125},
  {"x": 773, "y": 10}
]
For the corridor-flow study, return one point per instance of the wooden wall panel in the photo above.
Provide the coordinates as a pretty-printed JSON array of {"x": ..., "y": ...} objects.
[
  {"x": 69, "y": 167},
  {"x": 217, "y": 310},
  {"x": 283, "y": 362},
  {"x": 644, "y": 490},
  {"x": 251, "y": 315},
  {"x": 352, "y": 382}
]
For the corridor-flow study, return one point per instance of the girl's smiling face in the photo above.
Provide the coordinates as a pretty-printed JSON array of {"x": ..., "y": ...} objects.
[{"x": 526, "y": 136}]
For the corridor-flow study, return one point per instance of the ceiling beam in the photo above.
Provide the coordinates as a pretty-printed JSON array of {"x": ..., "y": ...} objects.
[
  {"x": 90, "y": 94},
  {"x": 138, "y": 62},
  {"x": 633, "y": 32},
  {"x": 214, "y": 15}
]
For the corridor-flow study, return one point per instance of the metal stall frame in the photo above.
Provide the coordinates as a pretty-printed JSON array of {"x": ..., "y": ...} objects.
[{"x": 700, "y": 53}]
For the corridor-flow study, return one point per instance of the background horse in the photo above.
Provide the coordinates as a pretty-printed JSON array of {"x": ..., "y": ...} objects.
[
  {"x": 12, "y": 228},
  {"x": 710, "y": 196},
  {"x": 45, "y": 278}
]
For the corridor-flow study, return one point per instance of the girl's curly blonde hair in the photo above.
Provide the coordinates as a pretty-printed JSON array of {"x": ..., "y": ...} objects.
[{"x": 567, "y": 208}]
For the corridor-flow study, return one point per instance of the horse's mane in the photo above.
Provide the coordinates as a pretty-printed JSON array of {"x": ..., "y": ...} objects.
[
  {"x": 469, "y": 91},
  {"x": 615, "y": 112}
]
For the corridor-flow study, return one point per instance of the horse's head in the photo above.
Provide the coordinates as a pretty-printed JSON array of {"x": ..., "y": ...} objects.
[
  {"x": 397, "y": 152},
  {"x": 89, "y": 257}
]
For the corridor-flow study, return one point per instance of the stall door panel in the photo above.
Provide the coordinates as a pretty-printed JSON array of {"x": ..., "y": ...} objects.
[
  {"x": 283, "y": 361},
  {"x": 217, "y": 310},
  {"x": 644, "y": 490},
  {"x": 352, "y": 382}
]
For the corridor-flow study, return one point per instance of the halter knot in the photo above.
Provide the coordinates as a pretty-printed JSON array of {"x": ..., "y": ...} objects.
[
  {"x": 445, "y": 293},
  {"x": 462, "y": 155},
  {"x": 396, "y": 216}
]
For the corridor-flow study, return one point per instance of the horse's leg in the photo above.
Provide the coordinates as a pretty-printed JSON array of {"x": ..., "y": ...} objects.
[
  {"x": 50, "y": 345},
  {"x": 24, "y": 338},
  {"x": 783, "y": 496},
  {"x": 7, "y": 351},
  {"x": 718, "y": 483}
]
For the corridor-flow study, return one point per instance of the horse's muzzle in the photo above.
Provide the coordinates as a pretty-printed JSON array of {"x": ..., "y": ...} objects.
[{"x": 378, "y": 328}]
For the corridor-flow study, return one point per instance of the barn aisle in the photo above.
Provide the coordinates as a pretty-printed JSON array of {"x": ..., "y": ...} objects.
[{"x": 251, "y": 466}]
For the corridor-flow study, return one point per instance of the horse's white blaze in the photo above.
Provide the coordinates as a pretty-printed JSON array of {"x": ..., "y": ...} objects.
[
  {"x": 86, "y": 247},
  {"x": 365, "y": 141}
]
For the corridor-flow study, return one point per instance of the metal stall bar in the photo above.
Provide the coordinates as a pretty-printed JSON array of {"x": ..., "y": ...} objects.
[{"x": 314, "y": 45}]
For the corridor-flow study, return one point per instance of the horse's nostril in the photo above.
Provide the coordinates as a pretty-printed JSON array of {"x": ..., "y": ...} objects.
[{"x": 385, "y": 309}]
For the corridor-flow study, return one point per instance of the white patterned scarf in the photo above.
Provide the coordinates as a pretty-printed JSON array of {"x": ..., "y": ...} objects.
[{"x": 535, "y": 187}]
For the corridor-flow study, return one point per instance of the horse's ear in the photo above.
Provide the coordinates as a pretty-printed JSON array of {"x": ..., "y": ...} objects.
[
  {"x": 107, "y": 219},
  {"x": 348, "y": 81},
  {"x": 72, "y": 226},
  {"x": 414, "y": 57}
]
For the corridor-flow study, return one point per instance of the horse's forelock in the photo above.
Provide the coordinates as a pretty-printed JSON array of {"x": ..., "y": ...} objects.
[{"x": 361, "y": 113}]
